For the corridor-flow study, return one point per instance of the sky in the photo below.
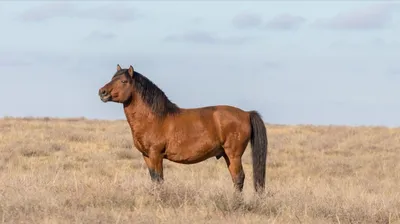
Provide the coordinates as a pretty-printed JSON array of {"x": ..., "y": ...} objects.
[{"x": 296, "y": 62}]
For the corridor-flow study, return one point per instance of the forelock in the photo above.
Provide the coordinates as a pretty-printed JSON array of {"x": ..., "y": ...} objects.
[{"x": 120, "y": 72}]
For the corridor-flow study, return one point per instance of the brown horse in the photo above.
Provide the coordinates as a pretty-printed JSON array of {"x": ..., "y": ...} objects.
[{"x": 162, "y": 130}]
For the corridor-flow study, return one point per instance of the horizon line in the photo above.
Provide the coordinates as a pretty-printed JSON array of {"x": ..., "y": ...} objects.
[{"x": 83, "y": 118}]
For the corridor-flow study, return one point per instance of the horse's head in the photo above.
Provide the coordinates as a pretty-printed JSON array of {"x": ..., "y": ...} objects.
[{"x": 120, "y": 88}]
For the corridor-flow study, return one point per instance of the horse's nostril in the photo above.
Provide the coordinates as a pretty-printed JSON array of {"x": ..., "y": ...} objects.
[{"x": 103, "y": 92}]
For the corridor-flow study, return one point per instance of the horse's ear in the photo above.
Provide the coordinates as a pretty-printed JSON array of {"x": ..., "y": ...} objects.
[
  {"x": 130, "y": 71},
  {"x": 118, "y": 67}
]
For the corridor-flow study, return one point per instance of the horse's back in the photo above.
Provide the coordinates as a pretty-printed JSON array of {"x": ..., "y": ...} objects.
[{"x": 221, "y": 120}]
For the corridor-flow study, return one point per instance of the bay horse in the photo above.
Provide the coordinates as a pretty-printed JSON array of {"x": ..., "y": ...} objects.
[{"x": 162, "y": 130}]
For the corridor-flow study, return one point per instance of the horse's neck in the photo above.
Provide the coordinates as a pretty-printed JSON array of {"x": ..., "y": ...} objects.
[{"x": 139, "y": 116}]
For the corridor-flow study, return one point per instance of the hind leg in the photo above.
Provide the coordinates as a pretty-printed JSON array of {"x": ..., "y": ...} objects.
[
  {"x": 234, "y": 148},
  {"x": 235, "y": 167}
]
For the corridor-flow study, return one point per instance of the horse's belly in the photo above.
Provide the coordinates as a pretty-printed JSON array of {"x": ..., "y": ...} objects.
[{"x": 192, "y": 155}]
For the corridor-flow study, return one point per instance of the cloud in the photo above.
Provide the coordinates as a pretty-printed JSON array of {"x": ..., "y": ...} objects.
[
  {"x": 272, "y": 65},
  {"x": 100, "y": 35},
  {"x": 197, "y": 20},
  {"x": 246, "y": 20},
  {"x": 28, "y": 58},
  {"x": 376, "y": 16},
  {"x": 280, "y": 22},
  {"x": 387, "y": 45},
  {"x": 205, "y": 38},
  {"x": 344, "y": 45},
  {"x": 285, "y": 22},
  {"x": 270, "y": 68},
  {"x": 7, "y": 61},
  {"x": 48, "y": 11},
  {"x": 111, "y": 12},
  {"x": 374, "y": 43},
  {"x": 393, "y": 72}
]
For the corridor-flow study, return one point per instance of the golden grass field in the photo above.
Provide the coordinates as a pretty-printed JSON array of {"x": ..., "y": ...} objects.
[{"x": 87, "y": 171}]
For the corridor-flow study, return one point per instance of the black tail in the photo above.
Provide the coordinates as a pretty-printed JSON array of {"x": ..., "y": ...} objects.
[{"x": 259, "y": 145}]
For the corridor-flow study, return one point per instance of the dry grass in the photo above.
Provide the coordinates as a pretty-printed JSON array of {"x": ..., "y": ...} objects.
[{"x": 83, "y": 171}]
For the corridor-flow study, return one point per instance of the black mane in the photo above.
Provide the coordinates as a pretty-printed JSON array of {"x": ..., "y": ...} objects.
[{"x": 153, "y": 96}]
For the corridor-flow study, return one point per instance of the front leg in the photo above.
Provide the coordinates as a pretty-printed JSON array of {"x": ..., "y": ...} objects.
[{"x": 154, "y": 162}]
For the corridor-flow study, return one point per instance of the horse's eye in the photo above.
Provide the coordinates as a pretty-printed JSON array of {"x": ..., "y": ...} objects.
[{"x": 124, "y": 81}]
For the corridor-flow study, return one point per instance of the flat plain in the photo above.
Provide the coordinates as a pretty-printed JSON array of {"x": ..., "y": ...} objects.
[{"x": 87, "y": 171}]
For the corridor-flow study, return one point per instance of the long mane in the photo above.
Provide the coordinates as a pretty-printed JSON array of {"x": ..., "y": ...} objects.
[{"x": 152, "y": 95}]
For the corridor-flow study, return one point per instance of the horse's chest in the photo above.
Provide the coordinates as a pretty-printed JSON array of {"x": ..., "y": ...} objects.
[
  {"x": 139, "y": 138},
  {"x": 144, "y": 137}
]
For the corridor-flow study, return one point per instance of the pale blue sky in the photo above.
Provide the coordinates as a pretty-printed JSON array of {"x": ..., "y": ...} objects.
[{"x": 297, "y": 62}]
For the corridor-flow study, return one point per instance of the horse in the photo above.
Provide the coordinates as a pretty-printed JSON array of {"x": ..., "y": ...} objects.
[{"x": 162, "y": 130}]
